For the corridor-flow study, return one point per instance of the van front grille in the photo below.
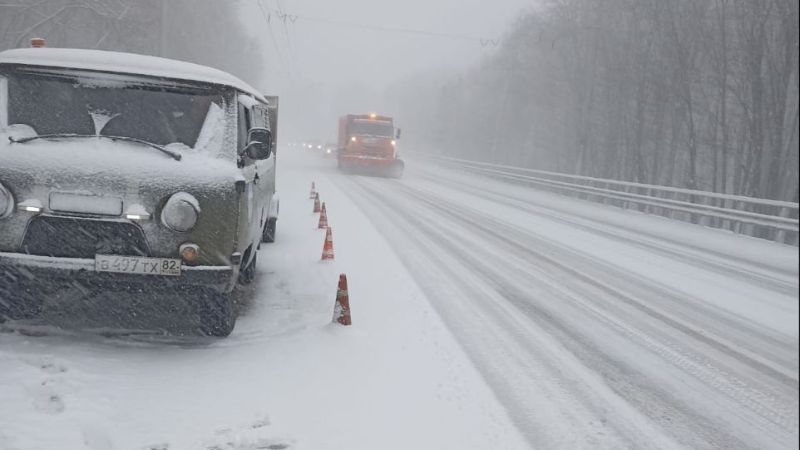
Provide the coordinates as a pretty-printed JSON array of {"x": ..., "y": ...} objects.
[{"x": 71, "y": 237}]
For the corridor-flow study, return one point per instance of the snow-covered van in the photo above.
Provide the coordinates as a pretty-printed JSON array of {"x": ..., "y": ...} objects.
[{"x": 129, "y": 172}]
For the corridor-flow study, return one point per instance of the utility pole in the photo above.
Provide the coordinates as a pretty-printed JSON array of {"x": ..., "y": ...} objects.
[{"x": 163, "y": 36}]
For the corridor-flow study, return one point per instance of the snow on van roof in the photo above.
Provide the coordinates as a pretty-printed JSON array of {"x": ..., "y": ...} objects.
[{"x": 129, "y": 63}]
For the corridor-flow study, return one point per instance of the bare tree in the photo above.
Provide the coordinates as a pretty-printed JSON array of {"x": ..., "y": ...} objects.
[{"x": 692, "y": 93}]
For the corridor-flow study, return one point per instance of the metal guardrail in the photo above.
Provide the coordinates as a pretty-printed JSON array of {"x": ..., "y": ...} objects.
[{"x": 770, "y": 219}]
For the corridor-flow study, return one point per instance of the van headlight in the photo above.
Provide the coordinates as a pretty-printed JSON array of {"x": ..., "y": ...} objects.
[
  {"x": 180, "y": 213},
  {"x": 6, "y": 202}
]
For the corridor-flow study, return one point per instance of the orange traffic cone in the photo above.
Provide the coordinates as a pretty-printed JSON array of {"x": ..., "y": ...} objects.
[
  {"x": 341, "y": 310},
  {"x": 313, "y": 191},
  {"x": 327, "y": 249},
  {"x": 323, "y": 218},
  {"x": 316, "y": 203}
]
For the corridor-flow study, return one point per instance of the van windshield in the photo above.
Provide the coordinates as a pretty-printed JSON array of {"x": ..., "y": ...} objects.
[{"x": 112, "y": 105}]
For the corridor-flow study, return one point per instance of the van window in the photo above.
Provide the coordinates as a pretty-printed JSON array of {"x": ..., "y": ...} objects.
[
  {"x": 66, "y": 103},
  {"x": 245, "y": 122}
]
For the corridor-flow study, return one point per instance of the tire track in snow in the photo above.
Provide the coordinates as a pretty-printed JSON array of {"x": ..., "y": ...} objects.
[
  {"x": 768, "y": 405},
  {"x": 776, "y": 283},
  {"x": 770, "y": 341},
  {"x": 509, "y": 354},
  {"x": 697, "y": 424},
  {"x": 595, "y": 271}
]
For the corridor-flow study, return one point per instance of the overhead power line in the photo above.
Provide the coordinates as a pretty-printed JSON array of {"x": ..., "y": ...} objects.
[
  {"x": 286, "y": 31},
  {"x": 285, "y": 17},
  {"x": 265, "y": 11}
]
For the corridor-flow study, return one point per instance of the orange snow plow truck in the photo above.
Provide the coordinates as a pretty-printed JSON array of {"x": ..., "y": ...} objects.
[{"x": 368, "y": 143}]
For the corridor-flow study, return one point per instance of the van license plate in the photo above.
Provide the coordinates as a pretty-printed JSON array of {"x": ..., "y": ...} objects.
[{"x": 137, "y": 265}]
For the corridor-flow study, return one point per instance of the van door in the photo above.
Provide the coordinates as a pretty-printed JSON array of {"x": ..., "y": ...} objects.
[
  {"x": 264, "y": 168},
  {"x": 254, "y": 199}
]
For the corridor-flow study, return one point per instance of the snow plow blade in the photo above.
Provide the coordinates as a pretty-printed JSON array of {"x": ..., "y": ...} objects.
[
  {"x": 385, "y": 169},
  {"x": 396, "y": 169}
]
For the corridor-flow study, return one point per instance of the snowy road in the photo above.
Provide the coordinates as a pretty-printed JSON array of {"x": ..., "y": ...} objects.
[
  {"x": 485, "y": 315},
  {"x": 598, "y": 327}
]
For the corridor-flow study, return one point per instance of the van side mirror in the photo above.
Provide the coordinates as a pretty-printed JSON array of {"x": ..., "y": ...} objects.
[
  {"x": 259, "y": 143},
  {"x": 397, "y": 133}
]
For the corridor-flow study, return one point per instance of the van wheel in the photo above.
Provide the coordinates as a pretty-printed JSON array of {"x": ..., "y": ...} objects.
[
  {"x": 217, "y": 314},
  {"x": 248, "y": 274},
  {"x": 269, "y": 230}
]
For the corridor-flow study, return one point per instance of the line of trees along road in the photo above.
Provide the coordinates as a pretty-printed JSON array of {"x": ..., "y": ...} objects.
[
  {"x": 203, "y": 31},
  {"x": 692, "y": 93}
]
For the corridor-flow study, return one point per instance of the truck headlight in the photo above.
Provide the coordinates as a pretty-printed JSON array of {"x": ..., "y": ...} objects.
[
  {"x": 6, "y": 202},
  {"x": 180, "y": 213}
]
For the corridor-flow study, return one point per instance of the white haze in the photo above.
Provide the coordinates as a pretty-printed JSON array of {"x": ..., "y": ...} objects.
[{"x": 324, "y": 69}]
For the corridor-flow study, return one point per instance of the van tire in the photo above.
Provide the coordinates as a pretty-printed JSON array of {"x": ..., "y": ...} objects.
[
  {"x": 270, "y": 229},
  {"x": 248, "y": 274}
]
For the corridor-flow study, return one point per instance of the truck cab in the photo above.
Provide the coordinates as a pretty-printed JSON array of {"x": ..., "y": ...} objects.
[{"x": 368, "y": 143}]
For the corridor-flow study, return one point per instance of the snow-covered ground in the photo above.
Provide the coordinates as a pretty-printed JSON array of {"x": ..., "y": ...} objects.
[
  {"x": 598, "y": 327},
  {"x": 485, "y": 315},
  {"x": 286, "y": 378}
]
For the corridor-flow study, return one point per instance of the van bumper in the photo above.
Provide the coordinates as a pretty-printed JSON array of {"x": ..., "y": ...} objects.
[{"x": 18, "y": 269}]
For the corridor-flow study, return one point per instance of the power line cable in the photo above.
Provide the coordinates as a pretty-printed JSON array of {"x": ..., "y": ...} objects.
[
  {"x": 286, "y": 17},
  {"x": 289, "y": 45},
  {"x": 268, "y": 19}
]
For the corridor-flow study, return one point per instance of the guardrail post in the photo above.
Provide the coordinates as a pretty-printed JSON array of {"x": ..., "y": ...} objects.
[
  {"x": 724, "y": 223},
  {"x": 703, "y": 219},
  {"x": 748, "y": 228},
  {"x": 780, "y": 235},
  {"x": 693, "y": 218},
  {"x": 737, "y": 226},
  {"x": 650, "y": 209},
  {"x": 640, "y": 206},
  {"x": 626, "y": 204}
]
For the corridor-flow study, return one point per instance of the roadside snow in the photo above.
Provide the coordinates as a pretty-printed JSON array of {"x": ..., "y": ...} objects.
[{"x": 287, "y": 377}]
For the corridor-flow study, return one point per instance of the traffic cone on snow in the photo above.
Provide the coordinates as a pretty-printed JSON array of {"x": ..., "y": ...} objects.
[
  {"x": 323, "y": 218},
  {"x": 313, "y": 193},
  {"x": 316, "y": 203},
  {"x": 341, "y": 310},
  {"x": 327, "y": 248}
]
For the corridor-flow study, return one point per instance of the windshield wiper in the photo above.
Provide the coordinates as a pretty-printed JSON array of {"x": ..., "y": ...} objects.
[{"x": 171, "y": 153}]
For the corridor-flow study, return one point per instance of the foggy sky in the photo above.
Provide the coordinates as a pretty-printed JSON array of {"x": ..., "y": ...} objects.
[{"x": 322, "y": 70}]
